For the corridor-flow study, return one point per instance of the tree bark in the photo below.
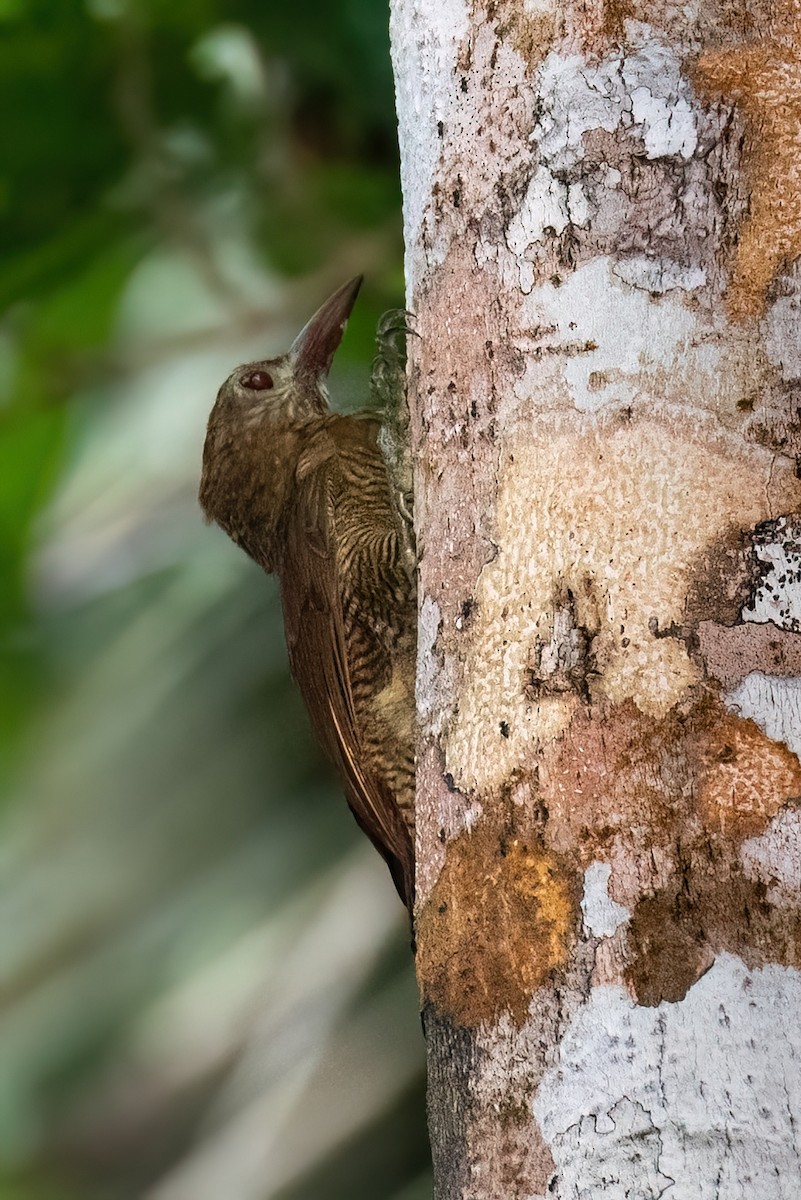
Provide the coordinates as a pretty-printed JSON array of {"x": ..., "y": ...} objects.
[{"x": 602, "y": 208}]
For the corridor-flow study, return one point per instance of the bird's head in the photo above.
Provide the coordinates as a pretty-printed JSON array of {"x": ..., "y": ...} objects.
[
  {"x": 290, "y": 389},
  {"x": 263, "y": 405}
]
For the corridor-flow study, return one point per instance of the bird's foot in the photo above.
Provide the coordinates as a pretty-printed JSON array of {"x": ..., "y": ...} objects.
[{"x": 388, "y": 375}]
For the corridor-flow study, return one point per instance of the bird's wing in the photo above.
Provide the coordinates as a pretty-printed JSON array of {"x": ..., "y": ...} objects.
[{"x": 317, "y": 640}]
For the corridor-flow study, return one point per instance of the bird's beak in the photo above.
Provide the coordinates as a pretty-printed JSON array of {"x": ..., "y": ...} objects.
[{"x": 314, "y": 348}]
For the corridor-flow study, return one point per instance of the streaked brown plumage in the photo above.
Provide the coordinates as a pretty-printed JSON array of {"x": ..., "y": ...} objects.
[{"x": 307, "y": 493}]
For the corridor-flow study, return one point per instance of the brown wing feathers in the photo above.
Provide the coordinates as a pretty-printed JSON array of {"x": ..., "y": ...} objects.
[{"x": 325, "y": 637}]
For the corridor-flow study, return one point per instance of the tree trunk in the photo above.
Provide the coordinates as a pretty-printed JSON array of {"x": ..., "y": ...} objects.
[{"x": 602, "y": 214}]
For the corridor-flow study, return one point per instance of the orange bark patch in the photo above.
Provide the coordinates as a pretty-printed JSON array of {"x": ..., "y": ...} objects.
[
  {"x": 764, "y": 79},
  {"x": 676, "y": 935},
  {"x": 501, "y": 917},
  {"x": 744, "y": 778},
  {"x": 668, "y": 804},
  {"x": 598, "y": 26},
  {"x": 671, "y": 951},
  {"x": 621, "y": 775},
  {"x": 624, "y": 774},
  {"x": 531, "y": 33},
  {"x": 603, "y": 22},
  {"x": 723, "y": 579}
]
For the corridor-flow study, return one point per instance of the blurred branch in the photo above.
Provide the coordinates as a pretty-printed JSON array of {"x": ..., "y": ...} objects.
[{"x": 266, "y": 1033}]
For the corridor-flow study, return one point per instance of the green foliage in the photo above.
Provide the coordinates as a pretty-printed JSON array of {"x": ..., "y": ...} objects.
[{"x": 197, "y": 932}]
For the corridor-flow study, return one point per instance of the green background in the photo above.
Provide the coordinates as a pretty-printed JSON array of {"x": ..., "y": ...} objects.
[{"x": 205, "y": 981}]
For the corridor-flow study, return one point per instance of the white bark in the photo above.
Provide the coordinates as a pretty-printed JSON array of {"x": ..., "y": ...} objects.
[{"x": 602, "y": 217}]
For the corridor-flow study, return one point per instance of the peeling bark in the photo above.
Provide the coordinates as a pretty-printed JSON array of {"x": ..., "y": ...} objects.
[{"x": 602, "y": 224}]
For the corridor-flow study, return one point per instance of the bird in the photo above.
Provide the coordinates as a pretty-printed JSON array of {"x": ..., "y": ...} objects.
[{"x": 309, "y": 495}]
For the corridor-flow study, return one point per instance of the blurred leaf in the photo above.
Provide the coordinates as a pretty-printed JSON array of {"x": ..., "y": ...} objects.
[{"x": 30, "y": 453}]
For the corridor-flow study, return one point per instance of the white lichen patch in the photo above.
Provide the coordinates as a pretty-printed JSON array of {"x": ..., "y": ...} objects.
[
  {"x": 658, "y": 275},
  {"x": 452, "y": 153},
  {"x": 610, "y": 522},
  {"x": 425, "y": 46},
  {"x": 778, "y": 596},
  {"x": 575, "y": 98},
  {"x": 774, "y": 703},
  {"x": 774, "y": 858},
  {"x": 644, "y": 91},
  {"x": 544, "y": 207},
  {"x": 549, "y": 205},
  {"x": 693, "y": 1100},
  {"x": 661, "y": 98},
  {"x": 609, "y": 325},
  {"x": 428, "y": 625},
  {"x": 600, "y": 338},
  {"x": 602, "y": 915}
]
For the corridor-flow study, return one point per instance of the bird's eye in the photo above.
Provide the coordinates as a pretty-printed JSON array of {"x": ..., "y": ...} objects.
[{"x": 257, "y": 381}]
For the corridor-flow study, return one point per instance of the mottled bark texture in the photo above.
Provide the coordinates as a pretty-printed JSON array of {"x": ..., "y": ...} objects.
[{"x": 603, "y": 218}]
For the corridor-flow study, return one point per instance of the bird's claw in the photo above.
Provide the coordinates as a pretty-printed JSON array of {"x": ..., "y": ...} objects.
[{"x": 395, "y": 321}]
